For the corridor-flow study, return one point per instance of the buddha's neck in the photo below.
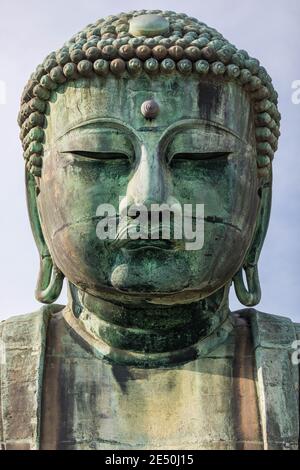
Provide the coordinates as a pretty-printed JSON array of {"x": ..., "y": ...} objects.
[{"x": 150, "y": 334}]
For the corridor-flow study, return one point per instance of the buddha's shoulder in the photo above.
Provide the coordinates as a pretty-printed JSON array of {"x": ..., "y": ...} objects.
[
  {"x": 29, "y": 323},
  {"x": 270, "y": 330}
]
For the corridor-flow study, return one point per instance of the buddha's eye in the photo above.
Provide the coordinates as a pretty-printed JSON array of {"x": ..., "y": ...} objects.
[
  {"x": 211, "y": 156},
  {"x": 101, "y": 155}
]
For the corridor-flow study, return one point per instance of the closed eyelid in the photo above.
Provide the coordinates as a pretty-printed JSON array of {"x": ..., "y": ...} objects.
[
  {"x": 199, "y": 137},
  {"x": 201, "y": 156},
  {"x": 206, "y": 147},
  {"x": 96, "y": 141},
  {"x": 99, "y": 155}
]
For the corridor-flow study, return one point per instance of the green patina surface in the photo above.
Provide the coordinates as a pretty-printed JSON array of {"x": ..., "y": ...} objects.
[{"x": 139, "y": 109}]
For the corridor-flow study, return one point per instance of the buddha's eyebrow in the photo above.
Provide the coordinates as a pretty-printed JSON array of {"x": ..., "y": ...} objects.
[
  {"x": 193, "y": 124},
  {"x": 107, "y": 124}
]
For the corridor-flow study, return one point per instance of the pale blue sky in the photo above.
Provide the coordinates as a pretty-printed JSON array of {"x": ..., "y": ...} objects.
[{"x": 268, "y": 30}]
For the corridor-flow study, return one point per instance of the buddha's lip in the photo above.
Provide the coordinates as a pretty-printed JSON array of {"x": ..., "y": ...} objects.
[{"x": 136, "y": 245}]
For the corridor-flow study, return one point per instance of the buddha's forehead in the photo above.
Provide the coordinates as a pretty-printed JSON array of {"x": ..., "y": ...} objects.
[{"x": 179, "y": 99}]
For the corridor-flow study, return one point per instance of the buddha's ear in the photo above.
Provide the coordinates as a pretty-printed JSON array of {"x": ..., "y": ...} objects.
[
  {"x": 50, "y": 280},
  {"x": 251, "y": 296}
]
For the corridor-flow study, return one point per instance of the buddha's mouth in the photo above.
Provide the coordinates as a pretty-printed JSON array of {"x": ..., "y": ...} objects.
[
  {"x": 139, "y": 245},
  {"x": 157, "y": 238}
]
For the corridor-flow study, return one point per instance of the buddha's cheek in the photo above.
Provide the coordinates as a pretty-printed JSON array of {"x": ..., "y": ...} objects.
[
  {"x": 82, "y": 257},
  {"x": 220, "y": 257},
  {"x": 76, "y": 248}
]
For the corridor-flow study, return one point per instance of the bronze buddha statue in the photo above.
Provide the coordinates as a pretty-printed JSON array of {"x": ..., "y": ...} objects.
[{"x": 141, "y": 109}]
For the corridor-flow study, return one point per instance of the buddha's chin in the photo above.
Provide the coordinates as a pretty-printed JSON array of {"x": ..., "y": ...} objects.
[{"x": 150, "y": 277}]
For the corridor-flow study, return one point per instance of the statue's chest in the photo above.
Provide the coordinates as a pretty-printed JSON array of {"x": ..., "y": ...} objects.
[{"x": 207, "y": 404}]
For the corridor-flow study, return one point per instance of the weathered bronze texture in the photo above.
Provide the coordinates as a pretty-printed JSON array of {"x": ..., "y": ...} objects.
[{"x": 146, "y": 108}]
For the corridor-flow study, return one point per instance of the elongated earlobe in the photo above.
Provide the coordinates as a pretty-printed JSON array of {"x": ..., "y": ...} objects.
[
  {"x": 251, "y": 295},
  {"x": 50, "y": 280}
]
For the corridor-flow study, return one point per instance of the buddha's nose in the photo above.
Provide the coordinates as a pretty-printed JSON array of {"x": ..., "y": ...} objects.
[{"x": 150, "y": 183}]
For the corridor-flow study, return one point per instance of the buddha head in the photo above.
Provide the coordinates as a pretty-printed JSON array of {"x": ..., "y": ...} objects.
[{"x": 143, "y": 110}]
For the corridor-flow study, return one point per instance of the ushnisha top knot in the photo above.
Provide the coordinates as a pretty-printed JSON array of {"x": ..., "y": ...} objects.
[{"x": 153, "y": 42}]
